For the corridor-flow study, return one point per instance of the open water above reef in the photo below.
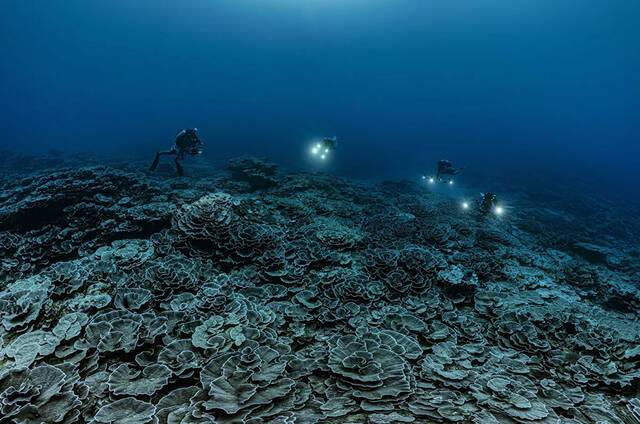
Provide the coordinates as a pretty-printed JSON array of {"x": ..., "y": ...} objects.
[{"x": 251, "y": 296}]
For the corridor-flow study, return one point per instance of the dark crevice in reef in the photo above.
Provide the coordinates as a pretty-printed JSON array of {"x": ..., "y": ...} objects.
[
  {"x": 253, "y": 297},
  {"x": 34, "y": 218}
]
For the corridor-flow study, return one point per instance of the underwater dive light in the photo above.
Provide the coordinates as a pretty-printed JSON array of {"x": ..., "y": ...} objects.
[
  {"x": 432, "y": 180},
  {"x": 318, "y": 150},
  {"x": 450, "y": 182},
  {"x": 498, "y": 210},
  {"x": 465, "y": 205}
]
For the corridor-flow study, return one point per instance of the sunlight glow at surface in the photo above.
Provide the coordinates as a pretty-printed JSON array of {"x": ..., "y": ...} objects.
[{"x": 436, "y": 12}]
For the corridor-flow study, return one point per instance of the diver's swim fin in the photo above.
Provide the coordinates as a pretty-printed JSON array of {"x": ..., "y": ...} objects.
[
  {"x": 154, "y": 165},
  {"x": 179, "y": 169}
]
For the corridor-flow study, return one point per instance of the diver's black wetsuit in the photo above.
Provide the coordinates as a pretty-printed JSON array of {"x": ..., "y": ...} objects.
[
  {"x": 329, "y": 143},
  {"x": 487, "y": 203},
  {"x": 187, "y": 142},
  {"x": 445, "y": 167}
]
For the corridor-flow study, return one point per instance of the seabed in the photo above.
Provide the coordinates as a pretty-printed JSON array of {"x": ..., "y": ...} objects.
[{"x": 252, "y": 296}]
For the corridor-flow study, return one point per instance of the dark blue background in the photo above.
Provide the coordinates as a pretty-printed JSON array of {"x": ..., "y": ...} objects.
[{"x": 530, "y": 86}]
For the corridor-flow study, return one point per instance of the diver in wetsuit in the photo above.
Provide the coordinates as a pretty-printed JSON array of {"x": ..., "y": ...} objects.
[
  {"x": 445, "y": 167},
  {"x": 329, "y": 144},
  {"x": 324, "y": 146},
  {"x": 187, "y": 143},
  {"x": 488, "y": 203}
]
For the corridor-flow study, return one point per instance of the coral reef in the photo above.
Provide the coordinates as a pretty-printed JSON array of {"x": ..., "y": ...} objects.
[
  {"x": 250, "y": 298},
  {"x": 257, "y": 173}
]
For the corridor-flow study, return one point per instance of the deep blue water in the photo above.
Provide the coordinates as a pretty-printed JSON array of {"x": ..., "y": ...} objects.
[{"x": 541, "y": 88}]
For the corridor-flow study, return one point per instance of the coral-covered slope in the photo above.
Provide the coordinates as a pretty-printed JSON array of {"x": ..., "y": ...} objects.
[{"x": 127, "y": 299}]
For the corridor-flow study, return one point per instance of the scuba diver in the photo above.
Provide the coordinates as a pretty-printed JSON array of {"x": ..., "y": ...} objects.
[
  {"x": 323, "y": 147},
  {"x": 187, "y": 143},
  {"x": 488, "y": 203},
  {"x": 330, "y": 143},
  {"x": 445, "y": 167}
]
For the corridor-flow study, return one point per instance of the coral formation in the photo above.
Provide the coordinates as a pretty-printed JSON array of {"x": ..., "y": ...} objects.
[
  {"x": 302, "y": 299},
  {"x": 257, "y": 173}
]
